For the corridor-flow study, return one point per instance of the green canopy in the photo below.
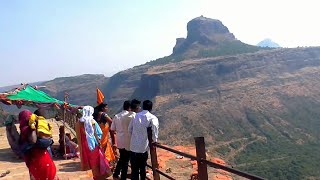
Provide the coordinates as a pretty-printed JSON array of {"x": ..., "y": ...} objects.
[{"x": 29, "y": 96}]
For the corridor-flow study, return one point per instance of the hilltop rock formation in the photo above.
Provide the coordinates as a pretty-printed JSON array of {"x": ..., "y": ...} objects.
[
  {"x": 202, "y": 33},
  {"x": 206, "y": 38}
]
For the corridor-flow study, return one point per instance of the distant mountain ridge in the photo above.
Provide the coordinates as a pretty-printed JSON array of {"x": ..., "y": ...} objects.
[
  {"x": 81, "y": 89},
  {"x": 8, "y": 88},
  {"x": 268, "y": 43}
]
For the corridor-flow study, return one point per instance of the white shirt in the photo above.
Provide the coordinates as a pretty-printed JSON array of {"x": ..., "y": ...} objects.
[
  {"x": 138, "y": 130},
  {"x": 120, "y": 124}
]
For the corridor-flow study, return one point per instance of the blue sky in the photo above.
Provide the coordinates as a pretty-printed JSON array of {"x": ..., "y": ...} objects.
[{"x": 41, "y": 40}]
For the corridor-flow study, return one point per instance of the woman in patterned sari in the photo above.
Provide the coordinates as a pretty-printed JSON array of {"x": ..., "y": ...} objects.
[
  {"x": 37, "y": 159},
  {"x": 105, "y": 123},
  {"x": 90, "y": 134}
]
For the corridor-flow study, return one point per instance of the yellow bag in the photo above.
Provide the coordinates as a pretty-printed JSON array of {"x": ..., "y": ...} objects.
[{"x": 44, "y": 129}]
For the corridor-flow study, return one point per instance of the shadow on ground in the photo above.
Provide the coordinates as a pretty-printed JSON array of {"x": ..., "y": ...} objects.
[
  {"x": 8, "y": 156},
  {"x": 70, "y": 167}
]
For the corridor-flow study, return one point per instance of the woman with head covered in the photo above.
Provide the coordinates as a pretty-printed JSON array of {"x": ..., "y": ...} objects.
[
  {"x": 90, "y": 134},
  {"x": 37, "y": 158}
]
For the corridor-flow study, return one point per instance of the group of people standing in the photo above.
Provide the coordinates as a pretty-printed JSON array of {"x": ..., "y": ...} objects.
[
  {"x": 127, "y": 131},
  {"x": 128, "y": 134}
]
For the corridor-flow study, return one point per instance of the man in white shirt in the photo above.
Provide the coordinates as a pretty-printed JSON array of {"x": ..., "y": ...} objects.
[
  {"x": 139, "y": 144},
  {"x": 120, "y": 124}
]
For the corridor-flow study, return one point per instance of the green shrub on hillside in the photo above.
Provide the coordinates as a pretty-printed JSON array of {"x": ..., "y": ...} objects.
[{"x": 227, "y": 48}]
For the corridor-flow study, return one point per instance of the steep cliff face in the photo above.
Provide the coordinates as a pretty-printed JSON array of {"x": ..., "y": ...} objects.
[
  {"x": 194, "y": 74},
  {"x": 246, "y": 81},
  {"x": 122, "y": 85}
]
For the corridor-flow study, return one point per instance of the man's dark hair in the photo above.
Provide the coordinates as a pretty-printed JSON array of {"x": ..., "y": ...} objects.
[
  {"x": 39, "y": 112},
  {"x": 135, "y": 104},
  {"x": 147, "y": 105},
  {"x": 126, "y": 105}
]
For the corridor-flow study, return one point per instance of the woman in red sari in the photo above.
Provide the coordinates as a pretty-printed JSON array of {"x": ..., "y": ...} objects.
[{"x": 37, "y": 159}]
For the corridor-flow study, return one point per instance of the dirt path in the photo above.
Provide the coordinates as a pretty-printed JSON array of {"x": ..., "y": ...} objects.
[
  {"x": 227, "y": 142},
  {"x": 233, "y": 153},
  {"x": 258, "y": 162}
]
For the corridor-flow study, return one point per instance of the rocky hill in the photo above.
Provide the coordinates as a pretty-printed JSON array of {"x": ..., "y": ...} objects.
[{"x": 203, "y": 33}]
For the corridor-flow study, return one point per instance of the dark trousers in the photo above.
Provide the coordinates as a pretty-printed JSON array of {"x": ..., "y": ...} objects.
[
  {"x": 138, "y": 165},
  {"x": 122, "y": 164}
]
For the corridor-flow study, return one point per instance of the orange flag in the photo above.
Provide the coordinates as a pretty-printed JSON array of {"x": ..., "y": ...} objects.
[{"x": 100, "y": 96}]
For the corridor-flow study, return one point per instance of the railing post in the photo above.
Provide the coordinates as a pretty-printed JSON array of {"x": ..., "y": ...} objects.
[
  {"x": 201, "y": 155},
  {"x": 153, "y": 154}
]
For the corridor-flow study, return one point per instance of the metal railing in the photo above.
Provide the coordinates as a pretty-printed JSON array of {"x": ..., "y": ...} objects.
[{"x": 200, "y": 157}]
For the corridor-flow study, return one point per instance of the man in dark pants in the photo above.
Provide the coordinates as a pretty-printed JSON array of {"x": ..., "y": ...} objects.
[
  {"x": 138, "y": 164},
  {"x": 139, "y": 144},
  {"x": 120, "y": 125}
]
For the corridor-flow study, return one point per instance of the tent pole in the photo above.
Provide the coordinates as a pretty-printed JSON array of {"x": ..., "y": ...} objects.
[{"x": 64, "y": 123}]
